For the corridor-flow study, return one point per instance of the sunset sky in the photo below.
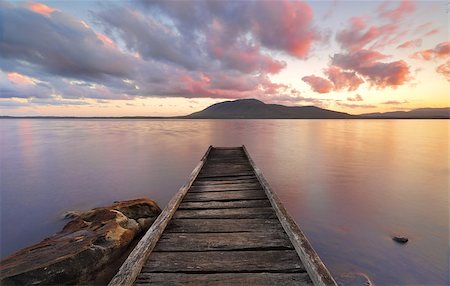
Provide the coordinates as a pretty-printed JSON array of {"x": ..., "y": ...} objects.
[{"x": 115, "y": 58}]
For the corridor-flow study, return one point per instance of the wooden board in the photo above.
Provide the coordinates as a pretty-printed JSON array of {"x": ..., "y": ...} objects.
[
  {"x": 266, "y": 212},
  {"x": 220, "y": 279},
  {"x": 223, "y": 241},
  {"x": 226, "y": 187},
  {"x": 225, "y": 204},
  {"x": 225, "y": 261},
  {"x": 224, "y": 225},
  {"x": 225, "y": 196}
]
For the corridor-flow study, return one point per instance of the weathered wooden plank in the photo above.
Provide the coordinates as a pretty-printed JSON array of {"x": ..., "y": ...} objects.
[
  {"x": 317, "y": 271},
  {"x": 225, "y": 204},
  {"x": 220, "y": 279},
  {"x": 225, "y": 196},
  {"x": 224, "y": 225},
  {"x": 226, "y": 178},
  {"x": 132, "y": 266},
  {"x": 223, "y": 241},
  {"x": 224, "y": 261},
  {"x": 225, "y": 182},
  {"x": 227, "y": 187},
  {"x": 220, "y": 176},
  {"x": 266, "y": 212}
]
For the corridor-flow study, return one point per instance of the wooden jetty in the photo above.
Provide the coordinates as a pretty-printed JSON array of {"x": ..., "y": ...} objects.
[{"x": 225, "y": 226}]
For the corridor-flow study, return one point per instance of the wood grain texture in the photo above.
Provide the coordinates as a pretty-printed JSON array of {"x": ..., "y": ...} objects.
[
  {"x": 224, "y": 225},
  {"x": 225, "y": 196},
  {"x": 224, "y": 261},
  {"x": 225, "y": 204},
  {"x": 223, "y": 241},
  {"x": 265, "y": 212},
  {"x": 228, "y": 279}
]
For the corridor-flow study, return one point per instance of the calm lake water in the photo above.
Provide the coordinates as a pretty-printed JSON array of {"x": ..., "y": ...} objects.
[{"x": 350, "y": 184}]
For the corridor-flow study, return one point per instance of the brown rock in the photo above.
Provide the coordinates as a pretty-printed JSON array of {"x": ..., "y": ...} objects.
[{"x": 80, "y": 252}]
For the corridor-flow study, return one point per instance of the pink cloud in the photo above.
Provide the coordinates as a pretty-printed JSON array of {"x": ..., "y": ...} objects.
[
  {"x": 441, "y": 51},
  {"x": 285, "y": 26},
  {"x": 366, "y": 63},
  {"x": 19, "y": 79},
  {"x": 444, "y": 69},
  {"x": 40, "y": 8},
  {"x": 356, "y": 36},
  {"x": 404, "y": 8},
  {"x": 240, "y": 54},
  {"x": 410, "y": 44},
  {"x": 318, "y": 84},
  {"x": 342, "y": 79},
  {"x": 105, "y": 40},
  {"x": 431, "y": 32}
]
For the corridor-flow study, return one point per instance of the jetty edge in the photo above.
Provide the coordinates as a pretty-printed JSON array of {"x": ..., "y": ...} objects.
[{"x": 241, "y": 233}]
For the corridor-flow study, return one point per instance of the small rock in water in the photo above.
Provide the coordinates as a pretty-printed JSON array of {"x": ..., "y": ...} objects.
[
  {"x": 71, "y": 214},
  {"x": 400, "y": 239},
  {"x": 353, "y": 279}
]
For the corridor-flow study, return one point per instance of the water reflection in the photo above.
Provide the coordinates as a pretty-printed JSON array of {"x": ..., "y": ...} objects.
[{"x": 350, "y": 184}]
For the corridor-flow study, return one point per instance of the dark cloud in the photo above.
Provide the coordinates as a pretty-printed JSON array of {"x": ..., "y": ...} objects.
[
  {"x": 57, "y": 44},
  {"x": 184, "y": 49}
]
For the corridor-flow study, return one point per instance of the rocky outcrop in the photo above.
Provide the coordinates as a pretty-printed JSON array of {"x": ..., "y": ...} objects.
[{"x": 86, "y": 246}]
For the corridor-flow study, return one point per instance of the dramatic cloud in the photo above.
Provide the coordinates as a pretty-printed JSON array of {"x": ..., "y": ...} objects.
[
  {"x": 318, "y": 84},
  {"x": 366, "y": 63},
  {"x": 444, "y": 69},
  {"x": 441, "y": 51},
  {"x": 51, "y": 48},
  {"x": 347, "y": 71},
  {"x": 162, "y": 50}
]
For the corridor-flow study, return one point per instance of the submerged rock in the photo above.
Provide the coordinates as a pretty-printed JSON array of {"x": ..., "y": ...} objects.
[
  {"x": 400, "y": 239},
  {"x": 86, "y": 246},
  {"x": 353, "y": 279}
]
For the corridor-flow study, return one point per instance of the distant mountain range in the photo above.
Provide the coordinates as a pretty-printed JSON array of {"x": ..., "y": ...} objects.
[
  {"x": 415, "y": 113},
  {"x": 255, "y": 109}
]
